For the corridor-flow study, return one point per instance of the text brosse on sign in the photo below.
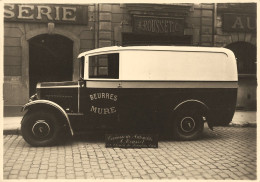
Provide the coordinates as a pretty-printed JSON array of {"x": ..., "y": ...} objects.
[{"x": 46, "y": 13}]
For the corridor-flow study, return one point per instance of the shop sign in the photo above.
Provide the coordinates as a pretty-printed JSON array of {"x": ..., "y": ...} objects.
[
  {"x": 131, "y": 140},
  {"x": 46, "y": 13},
  {"x": 159, "y": 25},
  {"x": 239, "y": 23}
]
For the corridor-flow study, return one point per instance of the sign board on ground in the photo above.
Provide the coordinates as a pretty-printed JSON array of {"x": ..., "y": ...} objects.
[{"x": 131, "y": 140}]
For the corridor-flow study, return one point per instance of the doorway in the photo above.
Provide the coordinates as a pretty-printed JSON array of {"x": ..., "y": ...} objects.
[
  {"x": 246, "y": 62},
  {"x": 50, "y": 60}
]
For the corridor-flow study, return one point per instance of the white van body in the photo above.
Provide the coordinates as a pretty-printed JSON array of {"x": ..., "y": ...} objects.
[{"x": 168, "y": 63}]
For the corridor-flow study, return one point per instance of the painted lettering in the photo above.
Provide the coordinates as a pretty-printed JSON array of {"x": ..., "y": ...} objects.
[
  {"x": 115, "y": 97},
  {"x": 8, "y": 13},
  {"x": 108, "y": 96},
  {"x": 172, "y": 26},
  {"x": 159, "y": 25},
  {"x": 44, "y": 10},
  {"x": 177, "y": 27},
  {"x": 99, "y": 95},
  {"x": 69, "y": 14},
  {"x": 99, "y": 110},
  {"x": 112, "y": 110},
  {"x": 103, "y": 95},
  {"x": 238, "y": 23},
  {"x": 166, "y": 26},
  {"x": 144, "y": 25},
  {"x": 153, "y": 26},
  {"x": 111, "y": 96},
  {"x": 249, "y": 26},
  {"x": 146, "y": 138},
  {"x": 93, "y": 109},
  {"x": 25, "y": 11},
  {"x": 106, "y": 111},
  {"x": 57, "y": 9},
  {"x": 44, "y": 13}
]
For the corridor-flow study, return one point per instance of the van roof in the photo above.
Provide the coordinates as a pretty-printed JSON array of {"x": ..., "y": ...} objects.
[{"x": 155, "y": 48}]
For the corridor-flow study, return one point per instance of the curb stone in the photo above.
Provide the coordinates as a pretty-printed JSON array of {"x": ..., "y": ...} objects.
[
  {"x": 12, "y": 132},
  {"x": 242, "y": 125}
]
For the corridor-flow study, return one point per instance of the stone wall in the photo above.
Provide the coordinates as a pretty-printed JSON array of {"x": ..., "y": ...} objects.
[
  {"x": 202, "y": 21},
  {"x": 16, "y": 53}
]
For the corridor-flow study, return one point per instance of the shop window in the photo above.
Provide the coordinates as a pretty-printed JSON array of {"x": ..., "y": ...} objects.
[
  {"x": 129, "y": 39},
  {"x": 104, "y": 66}
]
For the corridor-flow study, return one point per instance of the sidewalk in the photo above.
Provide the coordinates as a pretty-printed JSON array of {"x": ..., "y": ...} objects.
[
  {"x": 244, "y": 118},
  {"x": 11, "y": 125}
]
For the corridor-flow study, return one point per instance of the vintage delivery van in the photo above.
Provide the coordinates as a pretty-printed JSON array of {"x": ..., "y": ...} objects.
[{"x": 137, "y": 89}]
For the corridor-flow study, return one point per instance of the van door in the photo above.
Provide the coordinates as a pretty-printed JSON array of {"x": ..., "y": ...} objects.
[{"x": 99, "y": 96}]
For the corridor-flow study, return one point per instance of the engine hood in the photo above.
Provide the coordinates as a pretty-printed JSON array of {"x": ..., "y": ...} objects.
[
  {"x": 67, "y": 84},
  {"x": 64, "y": 94}
]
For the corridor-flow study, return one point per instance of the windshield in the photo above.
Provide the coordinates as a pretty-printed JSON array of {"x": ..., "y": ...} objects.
[{"x": 82, "y": 65}]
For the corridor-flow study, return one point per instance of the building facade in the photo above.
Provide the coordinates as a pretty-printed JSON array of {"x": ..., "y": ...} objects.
[{"x": 42, "y": 41}]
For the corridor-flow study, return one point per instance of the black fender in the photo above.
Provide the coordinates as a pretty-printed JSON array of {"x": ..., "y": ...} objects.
[
  {"x": 51, "y": 105},
  {"x": 191, "y": 103}
]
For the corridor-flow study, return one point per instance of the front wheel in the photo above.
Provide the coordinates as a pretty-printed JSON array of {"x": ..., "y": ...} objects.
[
  {"x": 41, "y": 128},
  {"x": 188, "y": 125}
]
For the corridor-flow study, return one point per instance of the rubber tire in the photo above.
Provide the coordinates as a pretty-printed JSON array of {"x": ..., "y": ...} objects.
[
  {"x": 195, "y": 133},
  {"x": 56, "y": 129}
]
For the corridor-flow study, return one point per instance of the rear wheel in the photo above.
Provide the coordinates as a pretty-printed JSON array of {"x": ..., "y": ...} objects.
[
  {"x": 188, "y": 125},
  {"x": 41, "y": 128}
]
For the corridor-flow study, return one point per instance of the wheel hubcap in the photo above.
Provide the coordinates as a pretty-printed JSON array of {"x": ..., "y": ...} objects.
[
  {"x": 41, "y": 129},
  {"x": 187, "y": 124}
]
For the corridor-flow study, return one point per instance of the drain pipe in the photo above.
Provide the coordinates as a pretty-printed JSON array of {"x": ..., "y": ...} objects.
[
  {"x": 214, "y": 23},
  {"x": 96, "y": 25}
]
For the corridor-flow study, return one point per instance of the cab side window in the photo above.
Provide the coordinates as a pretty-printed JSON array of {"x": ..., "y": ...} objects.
[{"x": 104, "y": 66}]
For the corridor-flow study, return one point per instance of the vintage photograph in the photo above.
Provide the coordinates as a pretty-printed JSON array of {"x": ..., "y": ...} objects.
[{"x": 125, "y": 90}]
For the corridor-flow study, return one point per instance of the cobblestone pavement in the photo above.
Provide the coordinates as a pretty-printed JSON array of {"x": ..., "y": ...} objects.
[{"x": 225, "y": 153}]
